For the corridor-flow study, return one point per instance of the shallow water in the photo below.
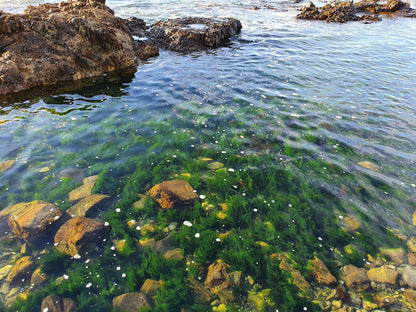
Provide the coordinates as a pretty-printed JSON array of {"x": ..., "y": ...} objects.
[{"x": 341, "y": 93}]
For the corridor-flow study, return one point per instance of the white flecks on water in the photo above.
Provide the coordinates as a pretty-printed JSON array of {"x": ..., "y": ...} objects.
[{"x": 187, "y": 223}]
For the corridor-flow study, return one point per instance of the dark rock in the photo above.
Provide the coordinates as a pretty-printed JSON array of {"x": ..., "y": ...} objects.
[
  {"x": 131, "y": 302},
  {"x": 146, "y": 48},
  {"x": 36, "y": 220},
  {"x": 22, "y": 269},
  {"x": 164, "y": 245},
  {"x": 137, "y": 26},
  {"x": 79, "y": 235},
  {"x": 54, "y": 303},
  {"x": 173, "y": 193},
  {"x": 66, "y": 41},
  {"x": 193, "y": 33}
]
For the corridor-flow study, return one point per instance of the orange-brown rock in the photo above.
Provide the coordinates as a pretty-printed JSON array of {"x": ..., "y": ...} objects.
[
  {"x": 150, "y": 287},
  {"x": 36, "y": 221},
  {"x": 356, "y": 277},
  {"x": 131, "y": 302},
  {"x": 79, "y": 235},
  {"x": 217, "y": 276},
  {"x": 320, "y": 272},
  {"x": 384, "y": 300},
  {"x": 174, "y": 254},
  {"x": 410, "y": 296},
  {"x": 84, "y": 190},
  {"x": 350, "y": 223},
  {"x": 397, "y": 255},
  {"x": 6, "y": 164},
  {"x": 22, "y": 269},
  {"x": 411, "y": 258},
  {"x": 54, "y": 303},
  {"x": 88, "y": 205},
  {"x": 173, "y": 193},
  {"x": 382, "y": 275}
]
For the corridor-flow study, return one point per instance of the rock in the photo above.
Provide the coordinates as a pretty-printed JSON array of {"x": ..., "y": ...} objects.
[
  {"x": 22, "y": 269},
  {"x": 217, "y": 276},
  {"x": 150, "y": 287},
  {"x": 88, "y": 205},
  {"x": 408, "y": 276},
  {"x": 350, "y": 223},
  {"x": 215, "y": 165},
  {"x": 397, "y": 255},
  {"x": 286, "y": 265},
  {"x": 71, "y": 173},
  {"x": 38, "y": 278},
  {"x": 356, "y": 277},
  {"x": 5, "y": 270},
  {"x": 137, "y": 26},
  {"x": 256, "y": 301},
  {"x": 6, "y": 164},
  {"x": 200, "y": 290},
  {"x": 321, "y": 272},
  {"x": 54, "y": 303},
  {"x": 146, "y": 49},
  {"x": 11, "y": 210},
  {"x": 131, "y": 302},
  {"x": 410, "y": 296},
  {"x": 369, "y": 306},
  {"x": 140, "y": 203},
  {"x": 368, "y": 165},
  {"x": 84, "y": 190},
  {"x": 79, "y": 235},
  {"x": 235, "y": 278},
  {"x": 174, "y": 254},
  {"x": 36, "y": 221},
  {"x": 193, "y": 33},
  {"x": 384, "y": 300},
  {"x": 225, "y": 295},
  {"x": 173, "y": 193},
  {"x": 411, "y": 258},
  {"x": 164, "y": 245},
  {"x": 382, "y": 275},
  {"x": 411, "y": 244},
  {"x": 62, "y": 42},
  {"x": 151, "y": 243}
]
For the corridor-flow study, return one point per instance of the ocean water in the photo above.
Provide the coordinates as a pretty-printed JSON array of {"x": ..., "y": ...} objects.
[{"x": 341, "y": 96}]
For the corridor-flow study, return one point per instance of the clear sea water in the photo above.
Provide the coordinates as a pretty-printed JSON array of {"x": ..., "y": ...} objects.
[{"x": 351, "y": 86}]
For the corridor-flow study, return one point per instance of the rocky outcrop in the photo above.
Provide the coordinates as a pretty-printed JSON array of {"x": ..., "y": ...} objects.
[
  {"x": 131, "y": 302},
  {"x": 87, "y": 206},
  {"x": 36, "y": 220},
  {"x": 366, "y": 10},
  {"x": 54, "y": 303},
  {"x": 79, "y": 235},
  {"x": 66, "y": 41},
  {"x": 173, "y": 193},
  {"x": 193, "y": 33}
]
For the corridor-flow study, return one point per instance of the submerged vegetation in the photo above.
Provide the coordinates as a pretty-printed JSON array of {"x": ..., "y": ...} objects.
[{"x": 260, "y": 197}]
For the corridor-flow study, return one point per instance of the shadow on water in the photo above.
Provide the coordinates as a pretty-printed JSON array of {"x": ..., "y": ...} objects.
[{"x": 112, "y": 85}]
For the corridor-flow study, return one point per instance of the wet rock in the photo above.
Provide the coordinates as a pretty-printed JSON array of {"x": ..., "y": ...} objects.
[
  {"x": 140, "y": 203},
  {"x": 137, "y": 26},
  {"x": 4, "y": 271},
  {"x": 384, "y": 300},
  {"x": 88, "y": 206},
  {"x": 79, "y": 235},
  {"x": 131, "y": 302},
  {"x": 350, "y": 223},
  {"x": 36, "y": 221},
  {"x": 173, "y": 193},
  {"x": 174, "y": 254},
  {"x": 368, "y": 165},
  {"x": 340, "y": 12},
  {"x": 22, "y": 269},
  {"x": 84, "y": 190},
  {"x": 200, "y": 290},
  {"x": 150, "y": 287},
  {"x": 410, "y": 296},
  {"x": 411, "y": 244},
  {"x": 411, "y": 258},
  {"x": 151, "y": 243},
  {"x": 62, "y": 42},
  {"x": 6, "y": 164},
  {"x": 71, "y": 173},
  {"x": 320, "y": 272},
  {"x": 297, "y": 279},
  {"x": 382, "y": 275},
  {"x": 54, "y": 303},
  {"x": 11, "y": 210},
  {"x": 397, "y": 255},
  {"x": 217, "y": 276},
  {"x": 356, "y": 277},
  {"x": 215, "y": 165},
  {"x": 164, "y": 245},
  {"x": 38, "y": 277},
  {"x": 408, "y": 276},
  {"x": 257, "y": 300},
  {"x": 194, "y": 33},
  {"x": 146, "y": 49}
]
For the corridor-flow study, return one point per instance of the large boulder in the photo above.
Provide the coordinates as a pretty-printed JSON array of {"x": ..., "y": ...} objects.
[
  {"x": 194, "y": 33},
  {"x": 35, "y": 220},
  {"x": 55, "y": 303},
  {"x": 173, "y": 193},
  {"x": 66, "y": 41},
  {"x": 80, "y": 235}
]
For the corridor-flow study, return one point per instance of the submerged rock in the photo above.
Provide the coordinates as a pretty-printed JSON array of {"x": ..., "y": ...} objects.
[
  {"x": 54, "y": 303},
  {"x": 79, "y": 235},
  {"x": 36, "y": 220},
  {"x": 88, "y": 205},
  {"x": 383, "y": 275},
  {"x": 173, "y": 193},
  {"x": 84, "y": 190},
  {"x": 131, "y": 302},
  {"x": 356, "y": 277},
  {"x": 218, "y": 276},
  {"x": 194, "y": 33},
  {"x": 21, "y": 270},
  {"x": 6, "y": 164},
  {"x": 66, "y": 41},
  {"x": 321, "y": 272}
]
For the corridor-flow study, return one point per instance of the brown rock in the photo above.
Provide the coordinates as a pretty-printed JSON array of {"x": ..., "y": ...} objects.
[
  {"x": 6, "y": 164},
  {"x": 350, "y": 223},
  {"x": 382, "y": 275},
  {"x": 22, "y": 269},
  {"x": 38, "y": 278},
  {"x": 397, "y": 255},
  {"x": 174, "y": 254},
  {"x": 173, "y": 193},
  {"x": 411, "y": 258},
  {"x": 66, "y": 41},
  {"x": 410, "y": 296},
  {"x": 297, "y": 279},
  {"x": 200, "y": 290},
  {"x": 88, "y": 205},
  {"x": 36, "y": 220},
  {"x": 356, "y": 276},
  {"x": 54, "y": 303},
  {"x": 11, "y": 210},
  {"x": 321, "y": 272},
  {"x": 411, "y": 244},
  {"x": 131, "y": 302},
  {"x": 150, "y": 287},
  {"x": 384, "y": 300},
  {"x": 217, "y": 276},
  {"x": 79, "y": 235},
  {"x": 193, "y": 33},
  {"x": 84, "y": 190},
  {"x": 408, "y": 275}
]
